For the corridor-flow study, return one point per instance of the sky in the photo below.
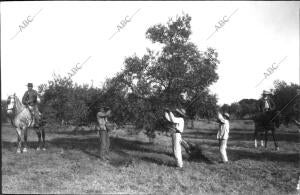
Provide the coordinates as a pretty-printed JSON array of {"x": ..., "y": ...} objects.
[{"x": 62, "y": 35}]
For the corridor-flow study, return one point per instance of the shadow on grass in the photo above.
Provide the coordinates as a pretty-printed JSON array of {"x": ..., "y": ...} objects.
[
  {"x": 159, "y": 161},
  {"x": 266, "y": 155},
  {"x": 11, "y": 146},
  {"x": 76, "y": 132},
  {"x": 149, "y": 152},
  {"x": 198, "y": 156},
  {"x": 118, "y": 151}
]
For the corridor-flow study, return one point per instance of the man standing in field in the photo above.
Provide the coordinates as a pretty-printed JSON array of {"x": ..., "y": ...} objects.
[
  {"x": 103, "y": 132},
  {"x": 223, "y": 135},
  {"x": 30, "y": 101},
  {"x": 178, "y": 122}
]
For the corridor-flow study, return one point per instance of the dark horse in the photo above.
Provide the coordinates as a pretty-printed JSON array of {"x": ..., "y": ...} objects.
[
  {"x": 22, "y": 119},
  {"x": 265, "y": 122}
]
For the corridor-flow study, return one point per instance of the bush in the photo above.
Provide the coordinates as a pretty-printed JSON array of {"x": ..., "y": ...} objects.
[{"x": 64, "y": 101}]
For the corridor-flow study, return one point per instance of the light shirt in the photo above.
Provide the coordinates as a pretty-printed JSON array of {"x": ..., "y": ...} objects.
[
  {"x": 223, "y": 132},
  {"x": 179, "y": 122},
  {"x": 267, "y": 106},
  {"x": 102, "y": 119}
]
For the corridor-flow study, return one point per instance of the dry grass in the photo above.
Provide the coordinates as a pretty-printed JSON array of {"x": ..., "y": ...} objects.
[{"x": 71, "y": 164}]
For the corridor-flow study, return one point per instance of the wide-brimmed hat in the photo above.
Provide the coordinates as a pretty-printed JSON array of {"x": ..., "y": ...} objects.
[
  {"x": 29, "y": 85},
  {"x": 103, "y": 107},
  {"x": 181, "y": 112},
  {"x": 266, "y": 93},
  {"x": 226, "y": 115}
]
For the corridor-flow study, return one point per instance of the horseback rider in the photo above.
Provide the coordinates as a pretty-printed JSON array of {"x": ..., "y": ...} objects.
[
  {"x": 30, "y": 101},
  {"x": 266, "y": 103}
]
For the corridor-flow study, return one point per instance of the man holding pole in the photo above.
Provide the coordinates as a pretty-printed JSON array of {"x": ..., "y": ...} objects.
[
  {"x": 178, "y": 122},
  {"x": 223, "y": 135},
  {"x": 103, "y": 132}
]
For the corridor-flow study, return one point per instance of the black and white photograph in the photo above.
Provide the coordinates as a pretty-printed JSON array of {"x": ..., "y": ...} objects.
[{"x": 150, "y": 97}]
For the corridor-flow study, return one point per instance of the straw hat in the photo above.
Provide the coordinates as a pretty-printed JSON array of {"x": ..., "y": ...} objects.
[
  {"x": 266, "y": 93},
  {"x": 226, "y": 115},
  {"x": 181, "y": 112}
]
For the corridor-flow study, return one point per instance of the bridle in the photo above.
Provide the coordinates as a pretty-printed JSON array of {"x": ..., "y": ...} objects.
[{"x": 13, "y": 108}]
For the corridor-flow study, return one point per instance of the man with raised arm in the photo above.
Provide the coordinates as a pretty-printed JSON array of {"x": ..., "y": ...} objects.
[
  {"x": 223, "y": 135},
  {"x": 178, "y": 122}
]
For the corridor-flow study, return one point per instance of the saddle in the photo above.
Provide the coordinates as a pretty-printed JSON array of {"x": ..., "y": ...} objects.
[{"x": 35, "y": 114}]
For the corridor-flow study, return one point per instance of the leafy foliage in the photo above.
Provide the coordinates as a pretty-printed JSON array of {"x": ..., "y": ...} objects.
[
  {"x": 157, "y": 79},
  {"x": 287, "y": 100},
  {"x": 63, "y": 100},
  {"x": 145, "y": 86},
  {"x": 248, "y": 107}
]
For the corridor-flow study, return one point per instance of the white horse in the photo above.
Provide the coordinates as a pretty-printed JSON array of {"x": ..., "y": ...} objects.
[{"x": 22, "y": 119}]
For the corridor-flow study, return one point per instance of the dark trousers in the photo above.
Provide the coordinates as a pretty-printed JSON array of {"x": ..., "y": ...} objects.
[
  {"x": 104, "y": 143},
  {"x": 35, "y": 114}
]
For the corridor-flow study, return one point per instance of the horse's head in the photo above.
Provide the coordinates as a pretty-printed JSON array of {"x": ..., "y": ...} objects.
[{"x": 11, "y": 104}]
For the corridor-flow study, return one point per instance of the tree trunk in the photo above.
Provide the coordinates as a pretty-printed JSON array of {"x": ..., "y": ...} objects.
[
  {"x": 192, "y": 124},
  {"x": 151, "y": 140}
]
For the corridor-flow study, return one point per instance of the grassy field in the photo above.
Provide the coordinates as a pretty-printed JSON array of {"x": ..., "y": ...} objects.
[{"x": 71, "y": 164}]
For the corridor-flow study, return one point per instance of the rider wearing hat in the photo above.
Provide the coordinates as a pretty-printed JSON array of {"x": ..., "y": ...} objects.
[
  {"x": 266, "y": 103},
  {"x": 178, "y": 121},
  {"x": 30, "y": 100}
]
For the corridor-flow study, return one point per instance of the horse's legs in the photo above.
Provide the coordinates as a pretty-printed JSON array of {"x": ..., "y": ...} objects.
[
  {"x": 38, "y": 132},
  {"x": 43, "y": 136},
  {"x": 275, "y": 142},
  {"x": 261, "y": 137},
  {"x": 255, "y": 136},
  {"x": 19, "y": 140},
  {"x": 262, "y": 143},
  {"x": 266, "y": 138},
  {"x": 25, "y": 140}
]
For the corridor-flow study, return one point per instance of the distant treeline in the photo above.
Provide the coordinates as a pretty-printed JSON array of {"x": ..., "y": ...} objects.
[{"x": 62, "y": 100}]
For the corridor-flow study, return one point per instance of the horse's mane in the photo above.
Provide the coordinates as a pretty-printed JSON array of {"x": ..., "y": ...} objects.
[{"x": 19, "y": 105}]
